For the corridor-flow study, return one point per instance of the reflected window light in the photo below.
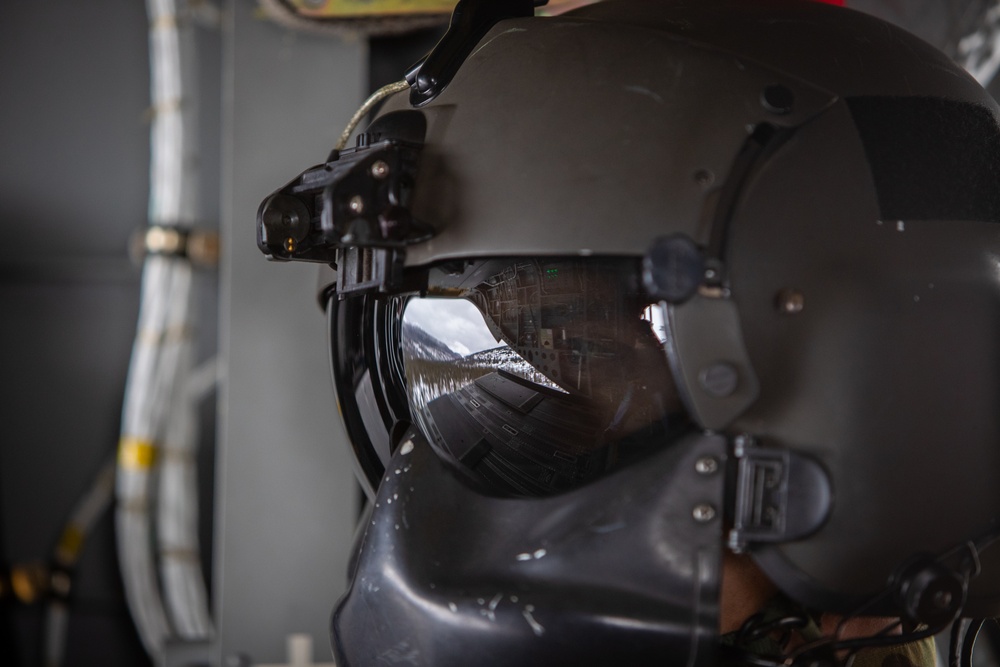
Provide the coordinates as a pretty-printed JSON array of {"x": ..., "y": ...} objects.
[
  {"x": 654, "y": 315},
  {"x": 447, "y": 345}
]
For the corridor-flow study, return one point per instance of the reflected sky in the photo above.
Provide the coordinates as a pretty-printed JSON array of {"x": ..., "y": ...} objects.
[{"x": 455, "y": 322}]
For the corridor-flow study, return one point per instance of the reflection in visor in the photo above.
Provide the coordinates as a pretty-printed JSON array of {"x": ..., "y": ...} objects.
[{"x": 538, "y": 375}]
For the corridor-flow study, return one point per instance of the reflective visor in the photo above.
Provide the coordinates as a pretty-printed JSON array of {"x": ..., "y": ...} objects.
[{"x": 534, "y": 376}]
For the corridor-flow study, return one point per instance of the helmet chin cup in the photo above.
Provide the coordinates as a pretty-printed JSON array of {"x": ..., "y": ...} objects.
[
  {"x": 624, "y": 571},
  {"x": 930, "y": 593}
]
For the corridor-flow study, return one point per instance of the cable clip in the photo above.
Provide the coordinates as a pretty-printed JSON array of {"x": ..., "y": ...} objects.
[{"x": 200, "y": 247}]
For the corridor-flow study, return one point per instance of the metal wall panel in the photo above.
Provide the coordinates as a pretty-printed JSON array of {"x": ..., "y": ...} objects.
[{"x": 285, "y": 489}]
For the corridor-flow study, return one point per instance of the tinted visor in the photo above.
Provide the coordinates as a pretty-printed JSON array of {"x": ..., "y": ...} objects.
[{"x": 533, "y": 376}]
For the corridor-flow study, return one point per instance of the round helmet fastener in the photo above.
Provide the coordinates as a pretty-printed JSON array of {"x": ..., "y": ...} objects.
[{"x": 673, "y": 269}]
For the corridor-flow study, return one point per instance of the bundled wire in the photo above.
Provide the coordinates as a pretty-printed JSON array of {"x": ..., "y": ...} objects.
[
  {"x": 153, "y": 373},
  {"x": 177, "y": 509},
  {"x": 156, "y": 474},
  {"x": 82, "y": 518}
]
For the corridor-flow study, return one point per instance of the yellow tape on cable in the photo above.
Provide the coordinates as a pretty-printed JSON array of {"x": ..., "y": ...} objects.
[
  {"x": 377, "y": 8},
  {"x": 369, "y": 8},
  {"x": 136, "y": 453},
  {"x": 70, "y": 543}
]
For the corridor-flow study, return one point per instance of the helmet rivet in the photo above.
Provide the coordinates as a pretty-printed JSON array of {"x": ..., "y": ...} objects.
[
  {"x": 777, "y": 99},
  {"x": 790, "y": 302},
  {"x": 357, "y": 204},
  {"x": 719, "y": 379},
  {"x": 380, "y": 169},
  {"x": 706, "y": 465},
  {"x": 703, "y": 513}
]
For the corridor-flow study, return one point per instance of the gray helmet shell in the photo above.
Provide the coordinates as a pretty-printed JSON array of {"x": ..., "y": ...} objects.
[{"x": 598, "y": 131}]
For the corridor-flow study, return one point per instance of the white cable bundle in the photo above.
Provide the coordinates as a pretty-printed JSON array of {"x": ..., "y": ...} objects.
[
  {"x": 147, "y": 396},
  {"x": 158, "y": 422},
  {"x": 177, "y": 522},
  {"x": 979, "y": 52}
]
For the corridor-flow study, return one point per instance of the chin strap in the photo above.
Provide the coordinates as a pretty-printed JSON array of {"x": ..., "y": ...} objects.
[
  {"x": 793, "y": 638},
  {"x": 929, "y": 591}
]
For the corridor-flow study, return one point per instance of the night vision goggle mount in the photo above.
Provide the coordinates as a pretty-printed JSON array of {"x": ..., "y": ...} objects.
[{"x": 351, "y": 212}]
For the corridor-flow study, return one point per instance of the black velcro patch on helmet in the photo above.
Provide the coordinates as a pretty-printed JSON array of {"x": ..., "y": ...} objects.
[{"x": 931, "y": 158}]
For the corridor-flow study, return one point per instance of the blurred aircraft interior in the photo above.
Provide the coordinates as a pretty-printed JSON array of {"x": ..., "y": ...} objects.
[{"x": 137, "y": 141}]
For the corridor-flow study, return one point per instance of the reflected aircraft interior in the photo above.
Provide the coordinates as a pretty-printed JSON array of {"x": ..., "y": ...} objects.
[{"x": 535, "y": 376}]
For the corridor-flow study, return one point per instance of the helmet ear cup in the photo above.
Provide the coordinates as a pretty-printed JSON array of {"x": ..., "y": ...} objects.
[{"x": 930, "y": 593}]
